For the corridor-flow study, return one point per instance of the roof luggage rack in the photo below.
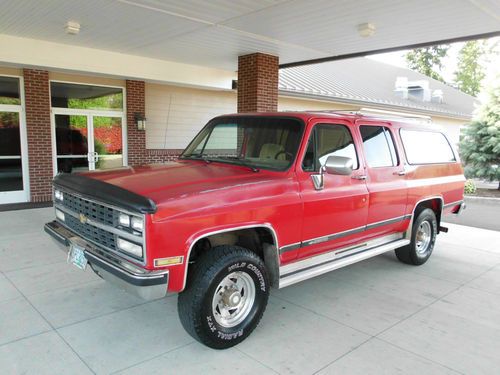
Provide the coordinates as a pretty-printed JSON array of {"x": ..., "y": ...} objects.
[{"x": 377, "y": 113}]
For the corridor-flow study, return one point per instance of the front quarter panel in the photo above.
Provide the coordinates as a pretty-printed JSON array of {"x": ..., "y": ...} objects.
[{"x": 264, "y": 200}]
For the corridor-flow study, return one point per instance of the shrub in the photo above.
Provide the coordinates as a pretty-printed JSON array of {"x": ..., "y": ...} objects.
[{"x": 470, "y": 187}]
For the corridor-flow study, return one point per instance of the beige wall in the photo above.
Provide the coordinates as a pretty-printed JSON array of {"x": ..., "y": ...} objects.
[{"x": 176, "y": 114}]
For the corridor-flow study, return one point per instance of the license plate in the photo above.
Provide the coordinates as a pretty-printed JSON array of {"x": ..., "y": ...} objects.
[{"x": 76, "y": 256}]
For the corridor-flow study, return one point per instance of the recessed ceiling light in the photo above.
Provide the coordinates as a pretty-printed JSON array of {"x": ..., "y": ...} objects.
[
  {"x": 366, "y": 29},
  {"x": 72, "y": 27}
]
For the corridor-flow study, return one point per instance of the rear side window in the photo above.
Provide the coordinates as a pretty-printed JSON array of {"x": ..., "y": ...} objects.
[
  {"x": 379, "y": 146},
  {"x": 426, "y": 147},
  {"x": 325, "y": 141}
]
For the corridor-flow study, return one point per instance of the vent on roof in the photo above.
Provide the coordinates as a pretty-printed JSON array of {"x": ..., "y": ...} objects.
[
  {"x": 416, "y": 90},
  {"x": 437, "y": 96}
]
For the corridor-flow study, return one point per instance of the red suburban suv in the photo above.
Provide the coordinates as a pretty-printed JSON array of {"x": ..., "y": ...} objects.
[{"x": 259, "y": 201}]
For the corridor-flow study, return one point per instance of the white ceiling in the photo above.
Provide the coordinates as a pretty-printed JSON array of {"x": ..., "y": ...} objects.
[{"x": 214, "y": 32}]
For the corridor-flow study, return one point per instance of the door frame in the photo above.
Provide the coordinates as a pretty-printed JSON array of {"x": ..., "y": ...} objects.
[
  {"x": 19, "y": 196},
  {"x": 90, "y": 114}
]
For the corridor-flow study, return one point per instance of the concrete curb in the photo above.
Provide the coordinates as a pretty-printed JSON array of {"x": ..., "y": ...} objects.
[{"x": 482, "y": 199}]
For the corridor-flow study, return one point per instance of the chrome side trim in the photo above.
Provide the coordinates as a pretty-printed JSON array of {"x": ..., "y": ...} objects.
[
  {"x": 333, "y": 236},
  {"x": 291, "y": 247},
  {"x": 323, "y": 263},
  {"x": 232, "y": 229},
  {"x": 386, "y": 222}
]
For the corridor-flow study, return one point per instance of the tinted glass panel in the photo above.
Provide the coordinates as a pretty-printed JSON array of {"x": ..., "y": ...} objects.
[
  {"x": 328, "y": 140},
  {"x": 9, "y": 91},
  {"x": 71, "y": 135},
  {"x": 67, "y": 95},
  {"x": 258, "y": 142},
  {"x": 378, "y": 146},
  {"x": 10, "y": 142},
  {"x": 426, "y": 147},
  {"x": 11, "y": 175},
  {"x": 108, "y": 142}
]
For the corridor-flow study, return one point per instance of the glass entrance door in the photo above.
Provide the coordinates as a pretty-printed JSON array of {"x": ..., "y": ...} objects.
[
  {"x": 11, "y": 164},
  {"x": 88, "y": 142}
]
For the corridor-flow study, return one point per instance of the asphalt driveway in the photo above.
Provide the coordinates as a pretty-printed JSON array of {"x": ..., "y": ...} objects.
[{"x": 375, "y": 317}]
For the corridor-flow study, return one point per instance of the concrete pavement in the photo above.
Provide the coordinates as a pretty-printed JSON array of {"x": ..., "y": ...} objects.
[
  {"x": 375, "y": 317},
  {"x": 480, "y": 212}
]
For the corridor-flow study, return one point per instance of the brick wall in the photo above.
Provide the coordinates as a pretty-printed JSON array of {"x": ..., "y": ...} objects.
[
  {"x": 136, "y": 138},
  {"x": 37, "y": 106},
  {"x": 137, "y": 152},
  {"x": 258, "y": 77}
]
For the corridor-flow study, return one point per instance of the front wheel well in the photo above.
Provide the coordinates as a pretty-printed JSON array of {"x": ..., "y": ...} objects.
[{"x": 260, "y": 240}]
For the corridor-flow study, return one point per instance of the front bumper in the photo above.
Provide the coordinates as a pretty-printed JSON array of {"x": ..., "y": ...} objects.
[{"x": 149, "y": 285}]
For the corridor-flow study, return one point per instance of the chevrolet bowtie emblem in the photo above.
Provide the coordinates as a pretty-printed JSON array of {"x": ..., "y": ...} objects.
[{"x": 83, "y": 219}]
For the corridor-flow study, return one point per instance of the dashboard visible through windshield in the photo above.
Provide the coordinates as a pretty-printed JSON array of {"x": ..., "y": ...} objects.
[{"x": 257, "y": 142}]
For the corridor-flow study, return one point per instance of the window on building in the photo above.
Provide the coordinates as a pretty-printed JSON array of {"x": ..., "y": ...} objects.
[
  {"x": 9, "y": 91},
  {"x": 77, "y": 96},
  {"x": 379, "y": 146},
  {"x": 328, "y": 140},
  {"x": 426, "y": 147}
]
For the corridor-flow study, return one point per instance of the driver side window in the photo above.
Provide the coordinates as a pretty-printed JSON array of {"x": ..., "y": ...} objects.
[{"x": 327, "y": 140}]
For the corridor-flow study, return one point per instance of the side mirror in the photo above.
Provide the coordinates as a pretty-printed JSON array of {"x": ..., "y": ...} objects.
[{"x": 340, "y": 165}]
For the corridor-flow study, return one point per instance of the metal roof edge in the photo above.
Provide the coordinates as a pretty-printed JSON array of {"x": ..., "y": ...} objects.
[{"x": 375, "y": 104}]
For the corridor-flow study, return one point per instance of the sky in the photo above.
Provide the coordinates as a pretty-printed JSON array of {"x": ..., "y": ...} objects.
[{"x": 449, "y": 63}]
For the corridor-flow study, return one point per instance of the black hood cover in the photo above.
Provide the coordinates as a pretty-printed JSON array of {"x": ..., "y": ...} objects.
[{"x": 105, "y": 193}]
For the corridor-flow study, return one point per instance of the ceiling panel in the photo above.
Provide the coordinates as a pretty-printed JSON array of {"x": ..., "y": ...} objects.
[{"x": 215, "y": 32}]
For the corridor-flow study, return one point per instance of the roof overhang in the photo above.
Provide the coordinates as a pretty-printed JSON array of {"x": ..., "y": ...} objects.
[{"x": 214, "y": 33}]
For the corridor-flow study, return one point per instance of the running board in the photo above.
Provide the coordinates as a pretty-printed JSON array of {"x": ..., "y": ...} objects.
[{"x": 320, "y": 264}]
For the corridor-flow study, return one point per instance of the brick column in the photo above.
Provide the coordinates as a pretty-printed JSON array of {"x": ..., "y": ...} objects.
[
  {"x": 136, "y": 138},
  {"x": 37, "y": 107},
  {"x": 258, "y": 75}
]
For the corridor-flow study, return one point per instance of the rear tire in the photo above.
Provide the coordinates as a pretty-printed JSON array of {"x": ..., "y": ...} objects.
[
  {"x": 225, "y": 298},
  {"x": 423, "y": 237}
]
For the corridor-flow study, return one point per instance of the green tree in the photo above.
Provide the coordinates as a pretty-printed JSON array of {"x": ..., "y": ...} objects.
[
  {"x": 428, "y": 60},
  {"x": 480, "y": 144},
  {"x": 470, "y": 70}
]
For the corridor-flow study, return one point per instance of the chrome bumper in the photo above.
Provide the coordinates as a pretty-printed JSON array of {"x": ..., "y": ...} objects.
[{"x": 149, "y": 285}]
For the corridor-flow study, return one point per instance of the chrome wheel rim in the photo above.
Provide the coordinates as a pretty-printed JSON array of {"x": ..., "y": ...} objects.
[
  {"x": 423, "y": 238},
  {"x": 233, "y": 299}
]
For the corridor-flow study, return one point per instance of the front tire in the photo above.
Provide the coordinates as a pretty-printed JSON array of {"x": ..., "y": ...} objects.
[
  {"x": 225, "y": 298},
  {"x": 423, "y": 238}
]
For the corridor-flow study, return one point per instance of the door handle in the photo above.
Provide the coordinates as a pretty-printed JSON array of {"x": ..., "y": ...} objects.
[
  {"x": 400, "y": 173},
  {"x": 92, "y": 157},
  {"x": 361, "y": 177}
]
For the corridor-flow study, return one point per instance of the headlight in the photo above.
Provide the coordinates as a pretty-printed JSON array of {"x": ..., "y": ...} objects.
[
  {"x": 124, "y": 220},
  {"x": 60, "y": 215},
  {"x": 58, "y": 194},
  {"x": 137, "y": 223},
  {"x": 129, "y": 247}
]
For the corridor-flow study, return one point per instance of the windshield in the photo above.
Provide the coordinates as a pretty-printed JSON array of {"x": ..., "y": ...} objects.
[{"x": 256, "y": 142}]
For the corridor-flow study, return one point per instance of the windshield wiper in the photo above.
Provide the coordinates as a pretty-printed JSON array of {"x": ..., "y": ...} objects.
[
  {"x": 240, "y": 161},
  {"x": 198, "y": 156}
]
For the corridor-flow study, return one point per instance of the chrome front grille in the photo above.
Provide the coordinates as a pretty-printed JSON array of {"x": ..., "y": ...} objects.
[
  {"x": 92, "y": 210},
  {"x": 97, "y": 223},
  {"x": 96, "y": 235}
]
